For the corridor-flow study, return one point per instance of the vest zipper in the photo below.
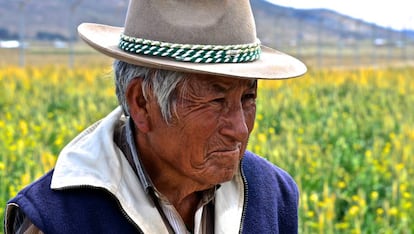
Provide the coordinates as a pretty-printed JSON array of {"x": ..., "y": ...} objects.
[{"x": 245, "y": 198}]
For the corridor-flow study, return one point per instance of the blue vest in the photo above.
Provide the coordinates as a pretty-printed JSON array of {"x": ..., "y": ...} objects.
[{"x": 270, "y": 206}]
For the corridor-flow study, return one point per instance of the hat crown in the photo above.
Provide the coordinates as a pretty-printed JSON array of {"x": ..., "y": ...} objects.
[
  {"x": 205, "y": 22},
  {"x": 216, "y": 37}
]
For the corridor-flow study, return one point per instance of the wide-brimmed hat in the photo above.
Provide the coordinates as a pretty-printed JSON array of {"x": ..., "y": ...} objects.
[{"x": 198, "y": 36}]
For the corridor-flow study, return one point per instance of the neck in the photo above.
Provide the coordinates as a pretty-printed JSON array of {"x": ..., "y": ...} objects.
[
  {"x": 183, "y": 197},
  {"x": 182, "y": 192},
  {"x": 178, "y": 189}
]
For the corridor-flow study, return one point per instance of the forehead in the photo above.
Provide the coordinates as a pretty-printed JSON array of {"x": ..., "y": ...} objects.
[{"x": 218, "y": 83}]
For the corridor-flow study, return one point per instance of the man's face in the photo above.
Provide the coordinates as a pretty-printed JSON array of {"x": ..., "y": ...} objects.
[{"x": 207, "y": 139}]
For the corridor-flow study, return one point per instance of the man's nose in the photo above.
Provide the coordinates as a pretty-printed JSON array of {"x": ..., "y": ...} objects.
[{"x": 235, "y": 123}]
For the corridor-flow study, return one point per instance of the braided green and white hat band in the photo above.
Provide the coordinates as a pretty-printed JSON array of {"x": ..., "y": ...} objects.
[{"x": 192, "y": 53}]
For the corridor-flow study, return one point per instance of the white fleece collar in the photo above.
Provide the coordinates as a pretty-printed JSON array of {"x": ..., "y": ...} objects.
[{"x": 93, "y": 159}]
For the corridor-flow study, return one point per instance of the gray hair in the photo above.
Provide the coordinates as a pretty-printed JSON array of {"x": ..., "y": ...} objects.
[{"x": 163, "y": 84}]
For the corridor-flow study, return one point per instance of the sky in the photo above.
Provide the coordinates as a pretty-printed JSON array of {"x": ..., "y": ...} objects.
[{"x": 397, "y": 14}]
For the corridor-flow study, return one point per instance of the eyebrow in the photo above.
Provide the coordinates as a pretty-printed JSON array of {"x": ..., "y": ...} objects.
[
  {"x": 253, "y": 83},
  {"x": 219, "y": 88}
]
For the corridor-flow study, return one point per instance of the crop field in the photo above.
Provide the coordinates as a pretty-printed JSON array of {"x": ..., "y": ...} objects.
[{"x": 346, "y": 136}]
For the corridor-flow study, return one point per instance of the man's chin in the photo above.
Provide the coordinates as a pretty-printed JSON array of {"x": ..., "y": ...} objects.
[{"x": 225, "y": 175}]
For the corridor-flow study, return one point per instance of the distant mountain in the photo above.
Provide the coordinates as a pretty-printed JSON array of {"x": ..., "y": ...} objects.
[
  {"x": 284, "y": 25},
  {"x": 52, "y": 17},
  {"x": 276, "y": 25}
]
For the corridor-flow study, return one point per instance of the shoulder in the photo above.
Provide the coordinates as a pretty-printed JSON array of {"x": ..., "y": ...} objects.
[
  {"x": 50, "y": 209},
  {"x": 24, "y": 203},
  {"x": 259, "y": 170},
  {"x": 272, "y": 197}
]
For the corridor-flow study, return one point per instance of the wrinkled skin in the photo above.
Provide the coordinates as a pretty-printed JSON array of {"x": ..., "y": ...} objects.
[{"x": 203, "y": 145}]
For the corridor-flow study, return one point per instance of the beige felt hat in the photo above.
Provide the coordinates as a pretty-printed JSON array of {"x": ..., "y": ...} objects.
[{"x": 198, "y": 36}]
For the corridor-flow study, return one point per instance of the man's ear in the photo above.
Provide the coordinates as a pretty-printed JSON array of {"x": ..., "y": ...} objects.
[{"x": 137, "y": 105}]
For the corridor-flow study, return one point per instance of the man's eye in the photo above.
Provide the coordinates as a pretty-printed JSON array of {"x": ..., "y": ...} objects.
[{"x": 249, "y": 96}]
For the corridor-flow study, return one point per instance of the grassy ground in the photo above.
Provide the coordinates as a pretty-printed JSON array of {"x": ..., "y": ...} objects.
[{"x": 345, "y": 135}]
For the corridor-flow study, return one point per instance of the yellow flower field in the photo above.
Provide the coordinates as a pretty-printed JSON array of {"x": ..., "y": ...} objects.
[{"x": 346, "y": 136}]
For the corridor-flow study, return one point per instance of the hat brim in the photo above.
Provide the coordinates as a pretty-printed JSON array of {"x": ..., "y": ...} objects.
[{"x": 272, "y": 64}]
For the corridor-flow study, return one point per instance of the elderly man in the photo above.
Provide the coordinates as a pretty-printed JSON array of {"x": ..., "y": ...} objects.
[{"x": 172, "y": 158}]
